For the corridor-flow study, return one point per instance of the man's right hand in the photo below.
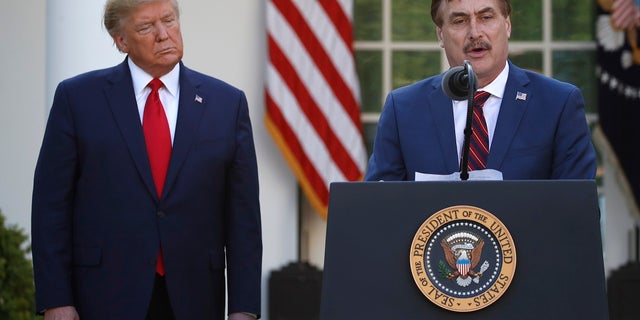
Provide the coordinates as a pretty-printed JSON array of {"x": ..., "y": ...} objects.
[{"x": 62, "y": 313}]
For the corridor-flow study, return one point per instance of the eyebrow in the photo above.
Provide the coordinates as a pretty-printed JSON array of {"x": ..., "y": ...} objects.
[
  {"x": 456, "y": 14},
  {"x": 487, "y": 9}
]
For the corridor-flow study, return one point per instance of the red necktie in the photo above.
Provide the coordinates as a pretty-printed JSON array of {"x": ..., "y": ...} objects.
[
  {"x": 158, "y": 140},
  {"x": 479, "y": 147}
]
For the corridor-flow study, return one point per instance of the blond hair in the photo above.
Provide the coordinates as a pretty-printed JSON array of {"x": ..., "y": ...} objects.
[{"x": 116, "y": 11}]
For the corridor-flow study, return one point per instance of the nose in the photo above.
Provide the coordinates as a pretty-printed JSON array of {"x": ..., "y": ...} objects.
[
  {"x": 474, "y": 29},
  {"x": 161, "y": 31}
]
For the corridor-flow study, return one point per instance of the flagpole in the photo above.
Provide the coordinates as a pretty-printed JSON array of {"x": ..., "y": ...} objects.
[{"x": 300, "y": 216}]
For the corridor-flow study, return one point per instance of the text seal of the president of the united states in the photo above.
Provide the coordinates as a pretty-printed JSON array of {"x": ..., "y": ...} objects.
[{"x": 463, "y": 258}]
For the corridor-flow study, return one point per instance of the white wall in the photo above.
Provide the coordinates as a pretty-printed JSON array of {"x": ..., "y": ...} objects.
[{"x": 22, "y": 99}]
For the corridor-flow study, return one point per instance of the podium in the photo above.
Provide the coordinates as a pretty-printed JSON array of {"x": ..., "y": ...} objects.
[{"x": 555, "y": 225}]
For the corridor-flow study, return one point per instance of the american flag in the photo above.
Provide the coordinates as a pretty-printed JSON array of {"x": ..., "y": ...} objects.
[{"x": 312, "y": 93}]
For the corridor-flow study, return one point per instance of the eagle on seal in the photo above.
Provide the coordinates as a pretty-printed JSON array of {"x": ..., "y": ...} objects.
[{"x": 463, "y": 258}]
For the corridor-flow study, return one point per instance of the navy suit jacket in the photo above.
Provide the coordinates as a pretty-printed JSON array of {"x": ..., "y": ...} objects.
[
  {"x": 544, "y": 136},
  {"x": 97, "y": 222}
]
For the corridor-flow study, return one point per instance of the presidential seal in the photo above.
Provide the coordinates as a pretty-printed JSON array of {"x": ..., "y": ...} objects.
[{"x": 463, "y": 258}]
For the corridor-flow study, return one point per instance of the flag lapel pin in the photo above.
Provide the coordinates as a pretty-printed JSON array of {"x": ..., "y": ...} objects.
[
  {"x": 521, "y": 96},
  {"x": 198, "y": 99}
]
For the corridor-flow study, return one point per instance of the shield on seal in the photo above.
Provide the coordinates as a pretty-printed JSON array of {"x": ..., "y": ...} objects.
[{"x": 463, "y": 264}]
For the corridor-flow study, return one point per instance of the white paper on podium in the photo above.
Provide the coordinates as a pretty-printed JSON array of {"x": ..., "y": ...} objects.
[{"x": 486, "y": 174}]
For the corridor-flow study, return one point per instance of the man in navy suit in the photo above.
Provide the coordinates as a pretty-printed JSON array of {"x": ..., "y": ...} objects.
[
  {"x": 536, "y": 125},
  {"x": 109, "y": 242}
]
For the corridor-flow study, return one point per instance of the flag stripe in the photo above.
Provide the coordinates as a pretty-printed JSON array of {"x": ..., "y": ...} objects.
[
  {"x": 293, "y": 52},
  {"x": 343, "y": 57},
  {"x": 340, "y": 20},
  {"x": 337, "y": 40},
  {"x": 317, "y": 52},
  {"x": 312, "y": 93},
  {"x": 287, "y": 139},
  {"x": 310, "y": 108},
  {"x": 312, "y": 144}
]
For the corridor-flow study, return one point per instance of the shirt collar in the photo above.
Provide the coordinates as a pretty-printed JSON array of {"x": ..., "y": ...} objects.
[
  {"x": 141, "y": 79},
  {"x": 496, "y": 87}
]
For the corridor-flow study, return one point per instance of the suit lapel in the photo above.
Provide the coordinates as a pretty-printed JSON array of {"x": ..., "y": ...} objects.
[
  {"x": 512, "y": 110},
  {"x": 122, "y": 100},
  {"x": 191, "y": 107},
  {"x": 442, "y": 112}
]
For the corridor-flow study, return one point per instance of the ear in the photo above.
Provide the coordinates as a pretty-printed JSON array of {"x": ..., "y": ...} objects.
[
  {"x": 439, "y": 34},
  {"x": 121, "y": 43},
  {"x": 508, "y": 22}
]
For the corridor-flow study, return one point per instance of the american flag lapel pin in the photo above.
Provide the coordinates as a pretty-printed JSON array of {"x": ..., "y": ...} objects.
[
  {"x": 521, "y": 96},
  {"x": 198, "y": 99}
]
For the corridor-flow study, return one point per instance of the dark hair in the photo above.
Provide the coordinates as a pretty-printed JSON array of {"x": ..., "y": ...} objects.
[{"x": 435, "y": 10}]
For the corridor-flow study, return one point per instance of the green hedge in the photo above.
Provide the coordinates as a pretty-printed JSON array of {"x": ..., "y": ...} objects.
[{"x": 16, "y": 274}]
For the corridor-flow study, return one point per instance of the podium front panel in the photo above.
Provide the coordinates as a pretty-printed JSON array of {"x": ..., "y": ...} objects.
[{"x": 555, "y": 226}]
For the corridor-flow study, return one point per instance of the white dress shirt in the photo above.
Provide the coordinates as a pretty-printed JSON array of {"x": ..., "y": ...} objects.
[
  {"x": 491, "y": 109},
  {"x": 169, "y": 94}
]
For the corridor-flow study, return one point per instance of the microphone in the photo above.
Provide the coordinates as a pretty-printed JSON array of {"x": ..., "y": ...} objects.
[
  {"x": 460, "y": 83},
  {"x": 455, "y": 82}
]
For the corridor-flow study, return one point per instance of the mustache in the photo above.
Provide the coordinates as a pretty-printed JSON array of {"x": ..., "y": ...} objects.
[{"x": 477, "y": 44}]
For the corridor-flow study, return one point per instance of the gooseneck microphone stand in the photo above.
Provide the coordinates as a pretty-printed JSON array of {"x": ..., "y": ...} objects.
[{"x": 472, "y": 87}]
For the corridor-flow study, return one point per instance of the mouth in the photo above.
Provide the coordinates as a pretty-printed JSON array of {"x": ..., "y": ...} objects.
[
  {"x": 477, "y": 48},
  {"x": 166, "y": 50}
]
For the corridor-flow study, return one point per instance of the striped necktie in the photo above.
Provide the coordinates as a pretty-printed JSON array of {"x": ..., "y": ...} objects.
[{"x": 479, "y": 147}]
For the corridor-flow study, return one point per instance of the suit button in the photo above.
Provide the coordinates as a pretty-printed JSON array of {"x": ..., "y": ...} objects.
[{"x": 161, "y": 214}]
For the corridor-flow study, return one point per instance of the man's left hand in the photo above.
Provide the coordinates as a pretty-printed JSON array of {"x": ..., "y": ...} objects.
[{"x": 241, "y": 316}]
